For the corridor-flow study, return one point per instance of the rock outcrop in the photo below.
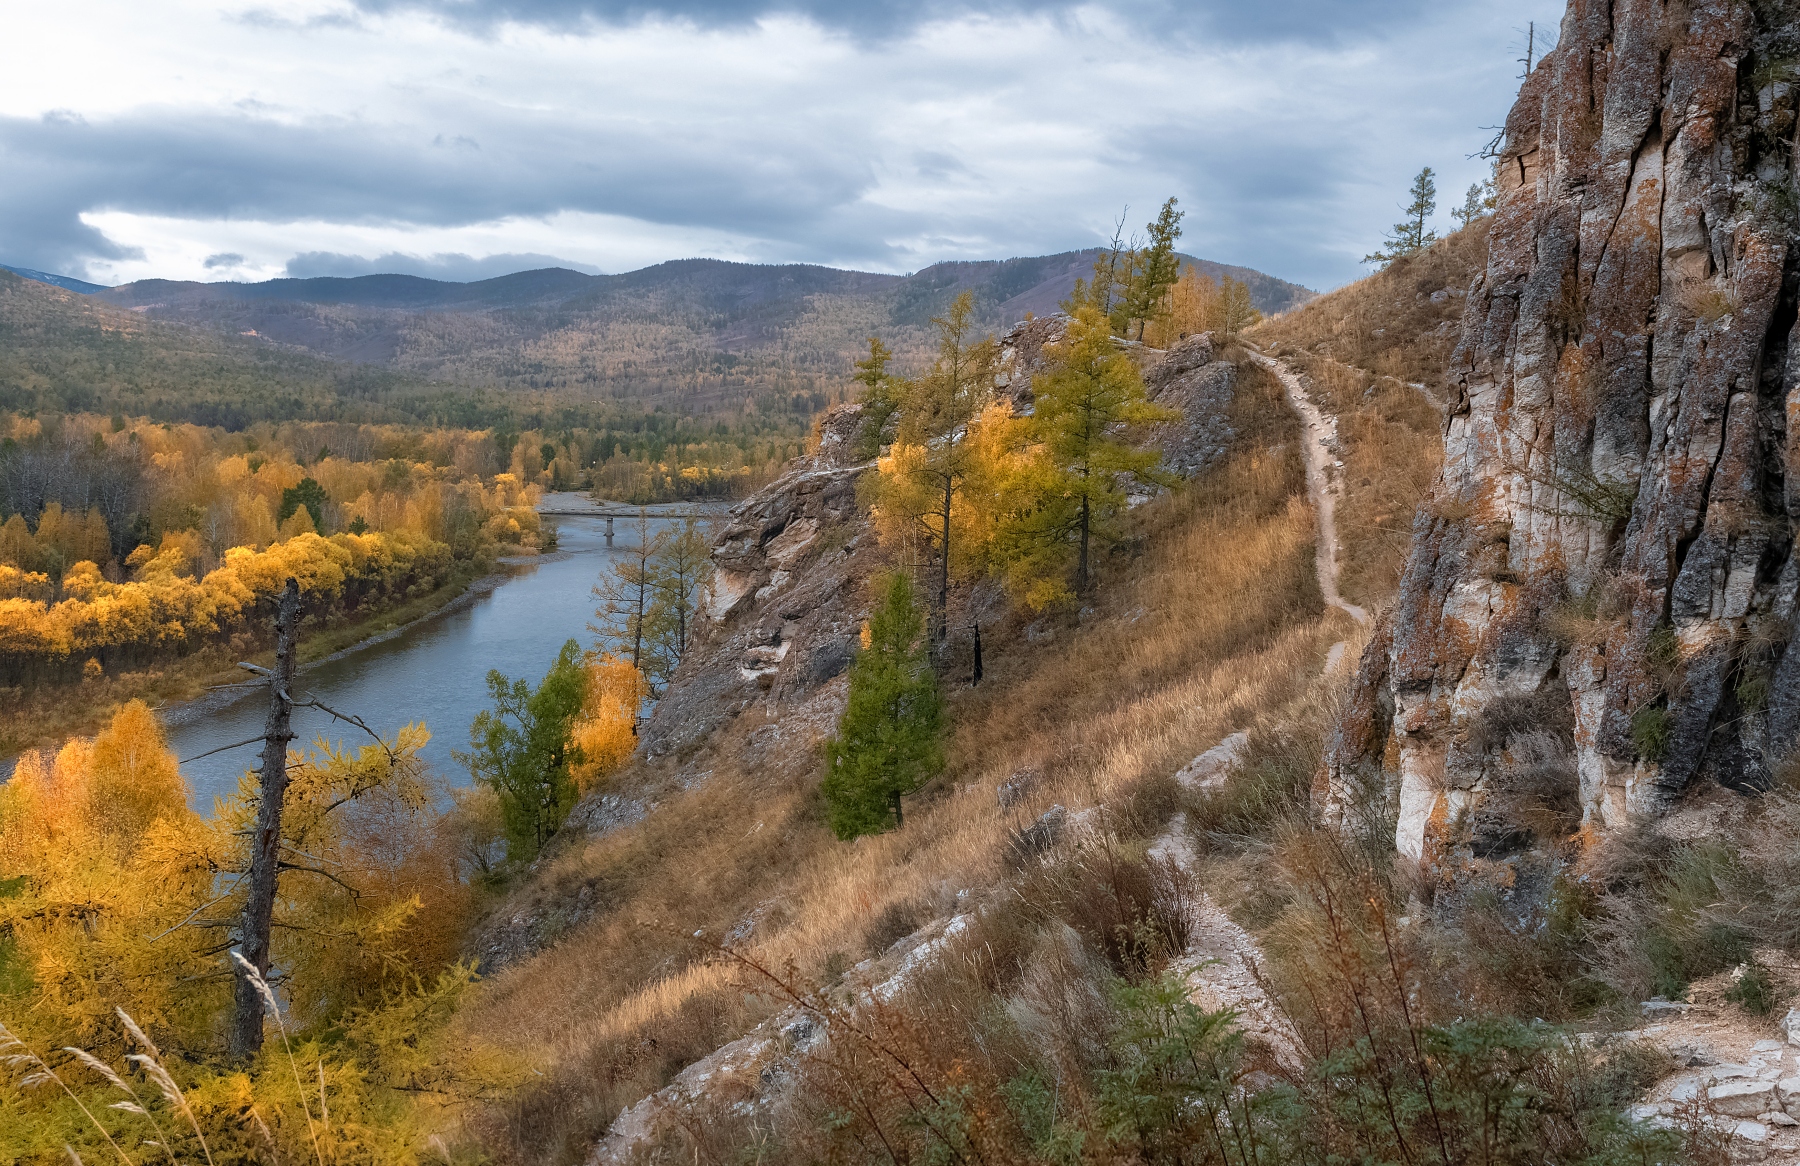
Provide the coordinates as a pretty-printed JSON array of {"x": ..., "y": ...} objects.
[
  {"x": 1600, "y": 596},
  {"x": 1192, "y": 380},
  {"x": 784, "y": 608}
]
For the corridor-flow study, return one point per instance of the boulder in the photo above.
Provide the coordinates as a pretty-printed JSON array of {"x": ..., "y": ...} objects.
[{"x": 1744, "y": 1098}]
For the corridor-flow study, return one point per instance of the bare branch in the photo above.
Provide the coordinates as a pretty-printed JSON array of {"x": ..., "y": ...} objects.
[{"x": 221, "y": 749}]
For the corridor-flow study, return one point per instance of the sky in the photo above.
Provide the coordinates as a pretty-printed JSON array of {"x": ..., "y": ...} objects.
[{"x": 461, "y": 139}]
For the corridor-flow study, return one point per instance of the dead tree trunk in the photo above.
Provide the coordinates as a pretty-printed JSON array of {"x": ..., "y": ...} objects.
[{"x": 265, "y": 843}]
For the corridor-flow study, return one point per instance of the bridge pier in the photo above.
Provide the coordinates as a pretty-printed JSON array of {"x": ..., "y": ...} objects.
[{"x": 609, "y": 531}]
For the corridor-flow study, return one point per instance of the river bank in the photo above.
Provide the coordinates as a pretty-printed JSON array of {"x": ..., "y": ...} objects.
[
  {"x": 196, "y": 685},
  {"x": 426, "y": 660}
]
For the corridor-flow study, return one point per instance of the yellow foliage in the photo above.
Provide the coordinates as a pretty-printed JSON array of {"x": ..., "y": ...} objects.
[
  {"x": 17, "y": 547},
  {"x": 132, "y": 778},
  {"x": 165, "y": 609},
  {"x": 115, "y": 896},
  {"x": 298, "y": 523},
  {"x": 606, "y": 733},
  {"x": 1199, "y": 304}
]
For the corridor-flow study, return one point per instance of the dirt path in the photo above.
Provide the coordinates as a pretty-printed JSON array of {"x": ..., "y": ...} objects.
[
  {"x": 1222, "y": 959},
  {"x": 1321, "y": 433}
]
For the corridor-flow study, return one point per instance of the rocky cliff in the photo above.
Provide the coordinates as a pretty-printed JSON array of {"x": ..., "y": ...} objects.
[
  {"x": 785, "y": 605},
  {"x": 1597, "y": 610}
]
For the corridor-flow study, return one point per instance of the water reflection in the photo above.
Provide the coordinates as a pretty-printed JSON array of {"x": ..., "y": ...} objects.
[{"x": 435, "y": 671}]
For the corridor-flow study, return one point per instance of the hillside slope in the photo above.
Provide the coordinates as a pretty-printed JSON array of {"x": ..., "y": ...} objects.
[
  {"x": 1375, "y": 355},
  {"x": 696, "y": 335},
  {"x": 64, "y": 352},
  {"x": 717, "y": 831}
]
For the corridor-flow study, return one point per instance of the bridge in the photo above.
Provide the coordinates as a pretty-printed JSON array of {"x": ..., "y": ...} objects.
[{"x": 609, "y": 513}]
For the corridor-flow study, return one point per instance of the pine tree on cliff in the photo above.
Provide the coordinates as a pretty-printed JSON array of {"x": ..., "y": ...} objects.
[
  {"x": 880, "y": 397},
  {"x": 1154, "y": 270},
  {"x": 1410, "y": 235},
  {"x": 1090, "y": 390},
  {"x": 888, "y": 740}
]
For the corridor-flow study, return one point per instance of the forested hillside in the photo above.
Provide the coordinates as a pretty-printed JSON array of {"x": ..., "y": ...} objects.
[
  {"x": 64, "y": 352},
  {"x": 697, "y": 336}
]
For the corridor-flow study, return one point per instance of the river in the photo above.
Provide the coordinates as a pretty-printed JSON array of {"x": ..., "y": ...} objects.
[{"x": 434, "y": 671}]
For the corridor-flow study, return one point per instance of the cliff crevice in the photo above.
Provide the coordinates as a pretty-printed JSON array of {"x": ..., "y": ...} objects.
[{"x": 1611, "y": 539}]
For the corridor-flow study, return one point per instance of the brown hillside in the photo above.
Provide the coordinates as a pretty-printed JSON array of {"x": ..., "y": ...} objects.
[{"x": 1375, "y": 353}]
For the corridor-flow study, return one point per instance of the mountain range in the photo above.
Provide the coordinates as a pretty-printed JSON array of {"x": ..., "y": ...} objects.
[{"x": 693, "y": 336}]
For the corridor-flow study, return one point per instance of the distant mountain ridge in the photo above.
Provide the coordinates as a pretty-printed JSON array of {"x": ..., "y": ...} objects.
[
  {"x": 1034, "y": 283},
  {"x": 693, "y": 336},
  {"x": 66, "y": 282}
]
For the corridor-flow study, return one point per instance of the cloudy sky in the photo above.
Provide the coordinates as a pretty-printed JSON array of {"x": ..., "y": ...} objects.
[{"x": 238, "y": 139}]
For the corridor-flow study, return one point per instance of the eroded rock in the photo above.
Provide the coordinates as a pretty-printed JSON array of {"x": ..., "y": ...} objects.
[{"x": 1614, "y": 522}]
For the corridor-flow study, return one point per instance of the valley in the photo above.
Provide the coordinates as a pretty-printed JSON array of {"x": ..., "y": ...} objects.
[{"x": 1098, "y": 709}]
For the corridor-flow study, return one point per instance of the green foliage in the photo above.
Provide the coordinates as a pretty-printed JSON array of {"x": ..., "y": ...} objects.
[
  {"x": 680, "y": 565},
  {"x": 1131, "y": 282},
  {"x": 1480, "y": 198},
  {"x": 888, "y": 742},
  {"x": 1651, "y": 729},
  {"x": 1055, "y": 1140},
  {"x": 1752, "y": 691},
  {"x": 1176, "y": 1084},
  {"x": 1754, "y": 991},
  {"x": 307, "y": 493},
  {"x": 521, "y": 748},
  {"x": 880, "y": 398},
  {"x": 649, "y": 598},
  {"x": 1410, "y": 235},
  {"x": 1152, "y": 272}
]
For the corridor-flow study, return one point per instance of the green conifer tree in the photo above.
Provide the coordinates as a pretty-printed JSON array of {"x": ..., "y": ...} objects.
[
  {"x": 888, "y": 740},
  {"x": 880, "y": 397},
  {"x": 1154, "y": 270},
  {"x": 1088, "y": 393},
  {"x": 1479, "y": 200},
  {"x": 307, "y": 493},
  {"x": 1410, "y": 235}
]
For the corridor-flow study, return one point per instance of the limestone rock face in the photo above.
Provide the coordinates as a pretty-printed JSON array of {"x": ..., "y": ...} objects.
[
  {"x": 784, "y": 607},
  {"x": 1604, "y": 577},
  {"x": 1022, "y": 354}
]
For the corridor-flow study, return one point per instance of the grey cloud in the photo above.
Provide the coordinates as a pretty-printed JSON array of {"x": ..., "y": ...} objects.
[
  {"x": 1300, "y": 191},
  {"x": 449, "y": 266},
  {"x": 220, "y": 166},
  {"x": 1237, "y": 20},
  {"x": 223, "y": 259}
]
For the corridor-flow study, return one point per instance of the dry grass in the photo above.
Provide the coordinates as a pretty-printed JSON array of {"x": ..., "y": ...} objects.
[
  {"x": 1391, "y": 448},
  {"x": 1388, "y": 324},
  {"x": 1209, "y": 621},
  {"x": 1364, "y": 350}
]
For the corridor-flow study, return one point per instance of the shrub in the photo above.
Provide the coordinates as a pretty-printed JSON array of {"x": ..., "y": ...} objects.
[
  {"x": 1650, "y": 732},
  {"x": 1753, "y": 991}
]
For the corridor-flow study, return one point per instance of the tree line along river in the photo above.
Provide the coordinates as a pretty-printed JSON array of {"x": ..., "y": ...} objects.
[{"x": 433, "y": 671}]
